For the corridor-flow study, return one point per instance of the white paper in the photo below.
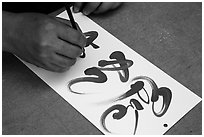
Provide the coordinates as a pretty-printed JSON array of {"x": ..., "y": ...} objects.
[{"x": 99, "y": 95}]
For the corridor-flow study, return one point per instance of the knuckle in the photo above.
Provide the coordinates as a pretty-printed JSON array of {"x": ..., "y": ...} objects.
[
  {"x": 45, "y": 47},
  {"x": 44, "y": 43},
  {"x": 46, "y": 27},
  {"x": 48, "y": 24}
]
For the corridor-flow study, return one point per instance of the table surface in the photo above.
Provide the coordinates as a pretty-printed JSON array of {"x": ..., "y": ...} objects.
[{"x": 167, "y": 34}]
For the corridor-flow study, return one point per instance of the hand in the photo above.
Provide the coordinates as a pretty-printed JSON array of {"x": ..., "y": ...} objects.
[
  {"x": 95, "y": 7},
  {"x": 48, "y": 42}
]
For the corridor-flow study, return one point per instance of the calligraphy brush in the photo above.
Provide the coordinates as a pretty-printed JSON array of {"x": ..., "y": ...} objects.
[{"x": 67, "y": 7}]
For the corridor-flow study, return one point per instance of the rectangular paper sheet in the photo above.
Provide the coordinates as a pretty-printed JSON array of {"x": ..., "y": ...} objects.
[{"x": 99, "y": 97}]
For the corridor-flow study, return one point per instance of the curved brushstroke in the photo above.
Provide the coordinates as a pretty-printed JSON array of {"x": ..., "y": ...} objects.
[
  {"x": 147, "y": 102},
  {"x": 122, "y": 111},
  {"x": 101, "y": 78},
  {"x": 153, "y": 85},
  {"x": 103, "y": 63},
  {"x": 91, "y": 36},
  {"x": 119, "y": 56},
  {"x": 136, "y": 104},
  {"x": 119, "y": 59},
  {"x": 124, "y": 65},
  {"x": 167, "y": 96},
  {"x": 136, "y": 121},
  {"x": 135, "y": 88},
  {"x": 156, "y": 92}
]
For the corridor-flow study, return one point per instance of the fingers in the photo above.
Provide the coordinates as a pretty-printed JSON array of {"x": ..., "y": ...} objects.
[
  {"x": 71, "y": 36},
  {"x": 105, "y": 6},
  {"x": 66, "y": 47},
  {"x": 68, "y": 50},
  {"x": 90, "y": 7},
  {"x": 53, "y": 67},
  {"x": 61, "y": 63},
  {"x": 116, "y": 5},
  {"x": 95, "y": 7},
  {"x": 63, "y": 57},
  {"x": 78, "y": 6},
  {"x": 56, "y": 63}
]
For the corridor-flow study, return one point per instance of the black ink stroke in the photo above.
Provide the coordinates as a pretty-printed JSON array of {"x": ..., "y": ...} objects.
[
  {"x": 164, "y": 92},
  {"x": 135, "y": 104},
  {"x": 167, "y": 95},
  {"x": 124, "y": 65},
  {"x": 101, "y": 78},
  {"x": 136, "y": 88},
  {"x": 91, "y": 36},
  {"x": 122, "y": 61},
  {"x": 122, "y": 111}
]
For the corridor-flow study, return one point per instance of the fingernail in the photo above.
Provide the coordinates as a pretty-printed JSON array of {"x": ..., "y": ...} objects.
[
  {"x": 86, "y": 12},
  {"x": 76, "y": 9}
]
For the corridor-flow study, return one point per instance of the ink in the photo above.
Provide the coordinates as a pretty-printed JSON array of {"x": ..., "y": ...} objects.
[
  {"x": 122, "y": 111},
  {"x": 164, "y": 92},
  {"x": 91, "y": 36},
  {"x": 167, "y": 95},
  {"x": 119, "y": 59},
  {"x": 135, "y": 89},
  {"x": 165, "y": 125},
  {"x": 90, "y": 71},
  {"x": 136, "y": 104}
]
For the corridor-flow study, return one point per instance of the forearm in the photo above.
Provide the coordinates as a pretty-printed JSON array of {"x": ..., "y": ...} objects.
[{"x": 8, "y": 24}]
